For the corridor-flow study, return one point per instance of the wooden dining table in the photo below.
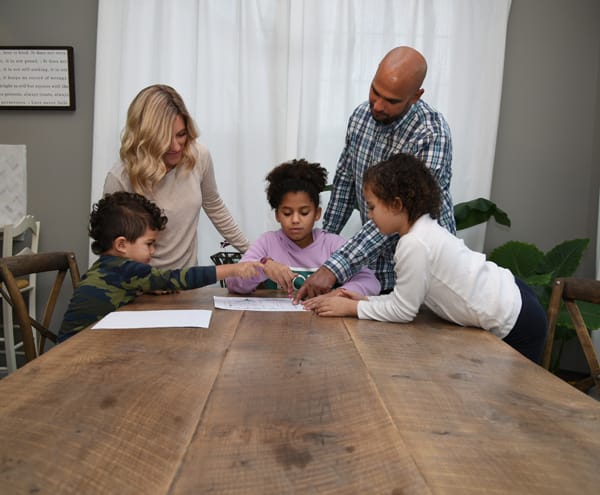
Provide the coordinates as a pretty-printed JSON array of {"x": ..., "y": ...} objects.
[{"x": 289, "y": 402}]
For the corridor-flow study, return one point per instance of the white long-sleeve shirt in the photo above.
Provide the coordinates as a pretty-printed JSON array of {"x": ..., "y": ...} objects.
[{"x": 435, "y": 268}]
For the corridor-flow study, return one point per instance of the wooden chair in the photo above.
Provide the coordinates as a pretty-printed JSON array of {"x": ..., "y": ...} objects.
[
  {"x": 570, "y": 290},
  {"x": 19, "y": 238},
  {"x": 13, "y": 267}
]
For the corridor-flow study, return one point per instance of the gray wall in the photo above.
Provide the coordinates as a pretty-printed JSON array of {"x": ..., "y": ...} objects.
[
  {"x": 547, "y": 163},
  {"x": 59, "y": 143},
  {"x": 547, "y": 167}
]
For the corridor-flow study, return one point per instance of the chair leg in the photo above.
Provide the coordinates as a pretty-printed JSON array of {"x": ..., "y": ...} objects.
[
  {"x": 41, "y": 344},
  {"x": 585, "y": 341},
  {"x": 553, "y": 309},
  {"x": 9, "y": 336}
]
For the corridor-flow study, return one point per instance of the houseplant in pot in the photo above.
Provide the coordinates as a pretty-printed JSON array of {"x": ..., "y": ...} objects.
[{"x": 534, "y": 267}]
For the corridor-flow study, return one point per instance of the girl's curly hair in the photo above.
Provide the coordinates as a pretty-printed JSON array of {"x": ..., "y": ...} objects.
[
  {"x": 122, "y": 214},
  {"x": 295, "y": 176},
  {"x": 406, "y": 177}
]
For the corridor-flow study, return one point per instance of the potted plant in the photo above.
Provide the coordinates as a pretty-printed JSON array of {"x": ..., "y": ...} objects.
[{"x": 534, "y": 267}]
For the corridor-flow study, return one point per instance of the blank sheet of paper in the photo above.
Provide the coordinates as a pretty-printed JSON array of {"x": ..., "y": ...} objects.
[{"x": 155, "y": 319}]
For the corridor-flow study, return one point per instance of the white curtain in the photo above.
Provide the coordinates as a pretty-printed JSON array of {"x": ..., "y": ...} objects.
[{"x": 272, "y": 80}]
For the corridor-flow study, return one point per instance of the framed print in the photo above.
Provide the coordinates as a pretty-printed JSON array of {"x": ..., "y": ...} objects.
[{"x": 37, "y": 78}]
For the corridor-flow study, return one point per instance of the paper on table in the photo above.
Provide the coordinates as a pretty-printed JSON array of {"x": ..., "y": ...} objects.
[
  {"x": 257, "y": 304},
  {"x": 155, "y": 319}
]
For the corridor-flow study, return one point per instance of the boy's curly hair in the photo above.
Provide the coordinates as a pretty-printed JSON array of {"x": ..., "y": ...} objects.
[
  {"x": 122, "y": 214},
  {"x": 406, "y": 177},
  {"x": 295, "y": 176}
]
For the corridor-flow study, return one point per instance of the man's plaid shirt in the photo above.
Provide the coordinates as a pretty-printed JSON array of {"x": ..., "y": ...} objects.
[{"x": 422, "y": 132}]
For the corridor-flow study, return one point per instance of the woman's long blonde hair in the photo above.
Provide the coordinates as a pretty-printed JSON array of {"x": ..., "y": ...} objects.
[{"x": 148, "y": 133}]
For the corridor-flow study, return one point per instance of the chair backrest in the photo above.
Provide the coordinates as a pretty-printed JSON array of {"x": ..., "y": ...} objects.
[
  {"x": 225, "y": 258},
  {"x": 569, "y": 290},
  {"x": 12, "y": 233},
  {"x": 25, "y": 236},
  {"x": 12, "y": 267}
]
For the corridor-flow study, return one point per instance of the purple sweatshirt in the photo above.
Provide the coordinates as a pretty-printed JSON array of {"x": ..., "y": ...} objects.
[{"x": 280, "y": 248}]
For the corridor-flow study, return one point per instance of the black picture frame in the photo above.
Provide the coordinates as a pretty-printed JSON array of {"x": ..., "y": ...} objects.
[{"x": 37, "y": 78}]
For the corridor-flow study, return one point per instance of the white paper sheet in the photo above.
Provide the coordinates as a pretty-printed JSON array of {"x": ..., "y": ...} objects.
[
  {"x": 155, "y": 319},
  {"x": 257, "y": 304}
]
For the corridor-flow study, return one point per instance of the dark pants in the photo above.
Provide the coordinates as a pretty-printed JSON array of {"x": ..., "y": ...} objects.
[{"x": 528, "y": 336}]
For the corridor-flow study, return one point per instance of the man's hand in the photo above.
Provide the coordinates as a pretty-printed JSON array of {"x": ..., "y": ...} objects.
[{"x": 318, "y": 283}]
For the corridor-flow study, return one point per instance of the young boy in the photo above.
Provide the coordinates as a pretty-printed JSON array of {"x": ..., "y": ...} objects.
[{"x": 124, "y": 227}]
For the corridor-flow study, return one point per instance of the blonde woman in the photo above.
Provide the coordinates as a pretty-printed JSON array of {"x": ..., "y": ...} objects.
[{"x": 162, "y": 160}]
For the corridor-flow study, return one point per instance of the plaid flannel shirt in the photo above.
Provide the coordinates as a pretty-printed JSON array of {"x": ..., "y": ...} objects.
[{"x": 422, "y": 132}]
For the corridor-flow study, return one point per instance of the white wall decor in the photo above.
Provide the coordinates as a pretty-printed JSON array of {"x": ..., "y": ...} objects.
[{"x": 13, "y": 182}]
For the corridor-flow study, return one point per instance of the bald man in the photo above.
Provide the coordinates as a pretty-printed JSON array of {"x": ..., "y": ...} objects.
[{"x": 395, "y": 119}]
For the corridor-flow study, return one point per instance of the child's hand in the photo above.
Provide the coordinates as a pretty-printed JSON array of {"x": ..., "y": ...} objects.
[
  {"x": 341, "y": 292},
  {"x": 246, "y": 269},
  {"x": 243, "y": 269},
  {"x": 333, "y": 306},
  {"x": 280, "y": 274},
  {"x": 355, "y": 296}
]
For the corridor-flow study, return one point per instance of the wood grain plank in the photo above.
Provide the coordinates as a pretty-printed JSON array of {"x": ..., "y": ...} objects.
[
  {"x": 294, "y": 411},
  {"x": 133, "y": 403},
  {"x": 477, "y": 416},
  {"x": 292, "y": 403}
]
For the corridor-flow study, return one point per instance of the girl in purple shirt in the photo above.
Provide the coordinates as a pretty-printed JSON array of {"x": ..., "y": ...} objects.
[{"x": 298, "y": 248}]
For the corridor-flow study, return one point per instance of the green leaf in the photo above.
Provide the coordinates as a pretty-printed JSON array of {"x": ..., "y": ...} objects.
[
  {"x": 476, "y": 211},
  {"x": 563, "y": 259},
  {"x": 542, "y": 292},
  {"x": 591, "y": 314},
  {"x": 501, "y": 217},
  {"x": 538, "y": 279},
  {"x": 519, "y": 257}
]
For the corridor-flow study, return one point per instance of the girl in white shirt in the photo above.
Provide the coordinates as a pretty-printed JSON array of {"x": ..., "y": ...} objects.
[{"x": 434, "y": 268}]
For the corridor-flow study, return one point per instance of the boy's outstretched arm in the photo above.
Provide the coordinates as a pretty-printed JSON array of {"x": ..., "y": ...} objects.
[{"x": 243, "y": 269}]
